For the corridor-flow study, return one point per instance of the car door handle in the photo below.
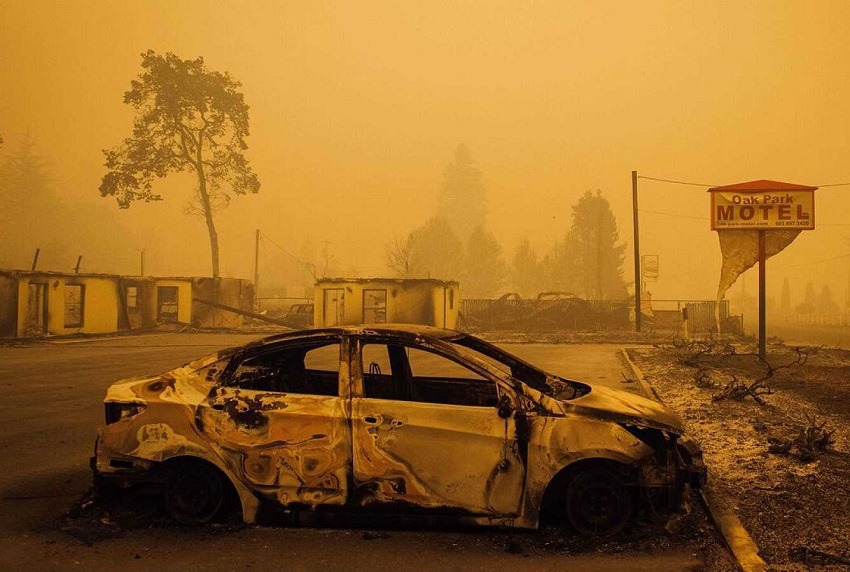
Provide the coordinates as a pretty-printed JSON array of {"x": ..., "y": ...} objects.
[{"x": 371, "y": 419}]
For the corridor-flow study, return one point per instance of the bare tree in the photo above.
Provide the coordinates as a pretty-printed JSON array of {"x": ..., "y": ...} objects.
[{"x": 398, "y": 256}]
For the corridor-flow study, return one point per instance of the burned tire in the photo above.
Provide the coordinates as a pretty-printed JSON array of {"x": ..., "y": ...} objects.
[
  {"x": 194, "y": 492},
  {"x": 597, "y": 503}
]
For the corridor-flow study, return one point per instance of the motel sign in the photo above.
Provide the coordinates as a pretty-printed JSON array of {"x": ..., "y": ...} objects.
[{"x": 763, "y": 205}]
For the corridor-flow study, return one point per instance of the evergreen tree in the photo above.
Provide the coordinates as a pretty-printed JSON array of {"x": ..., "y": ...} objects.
[
  {"x": 825, "y": 303},
  {"x": 435, "y": 251},
  {"x": 484, "y": 269},
  {"x": 589, "y": 262},
  {"x": 785, "y": 300},
  {"x": 461, "y": 200},
  {"x": 526, "y": 270}
]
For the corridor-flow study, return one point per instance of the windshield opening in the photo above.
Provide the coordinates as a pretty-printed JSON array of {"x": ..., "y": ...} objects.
[{"x": 534, "y": 377}]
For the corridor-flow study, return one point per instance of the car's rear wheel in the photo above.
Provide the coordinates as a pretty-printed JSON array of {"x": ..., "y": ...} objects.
[
  {"x": 194, "y": 492},
  {"x": 597, "y": 503}
]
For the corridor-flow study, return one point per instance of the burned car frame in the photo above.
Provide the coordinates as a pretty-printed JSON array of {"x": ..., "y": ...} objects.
[{"x": 397, "y": 417}]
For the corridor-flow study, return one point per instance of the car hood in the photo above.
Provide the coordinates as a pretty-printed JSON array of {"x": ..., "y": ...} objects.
[{"x": 624, "y": 407}]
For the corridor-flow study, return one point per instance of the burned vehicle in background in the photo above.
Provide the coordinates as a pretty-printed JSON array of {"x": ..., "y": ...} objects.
[{"x": 405, "y": 418}]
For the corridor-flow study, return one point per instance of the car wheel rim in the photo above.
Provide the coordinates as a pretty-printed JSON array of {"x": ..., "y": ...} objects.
[
  {"x": 598, "y": 504},
  {"x": 194, "y": 494}
]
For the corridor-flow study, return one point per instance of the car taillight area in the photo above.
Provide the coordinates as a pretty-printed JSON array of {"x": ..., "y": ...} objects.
[{"x": 116, "y": 411}]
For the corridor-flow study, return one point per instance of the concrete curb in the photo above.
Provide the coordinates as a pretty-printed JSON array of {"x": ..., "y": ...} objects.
[
  {"x": 739, "y": 541},
  {"x": 638, "y": 376}
]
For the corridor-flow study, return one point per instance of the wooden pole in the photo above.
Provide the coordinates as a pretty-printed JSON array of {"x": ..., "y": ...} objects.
[
  {"x": 762, "y": 306},
  {"x": 142, "y": 263},
  {"x": 77, "y": 267},
  {"x": 35, "y": 258},
  {"x": 256, "y": 264},
  {"x": 637, "y": 251}
]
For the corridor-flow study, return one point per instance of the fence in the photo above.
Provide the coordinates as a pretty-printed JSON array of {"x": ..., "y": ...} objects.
[
  {"x": 514, "y": 313},
  {"x": 576, "y": 314}
]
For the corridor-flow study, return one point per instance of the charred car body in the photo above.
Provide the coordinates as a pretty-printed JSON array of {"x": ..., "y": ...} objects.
[{"x": 398, "y": 417}]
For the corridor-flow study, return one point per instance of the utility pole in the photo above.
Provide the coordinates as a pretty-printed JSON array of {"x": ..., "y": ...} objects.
[
  {"x": 762, "y": 304},
  {"x": 847, "y": 302},
  {"x": 257, "y": 268},
  {"x": 637, "y": 251},
  {"x": 77, "y": 267},
  {"x": 142, "y": 262},
  {"x": 35, "y": 258}
]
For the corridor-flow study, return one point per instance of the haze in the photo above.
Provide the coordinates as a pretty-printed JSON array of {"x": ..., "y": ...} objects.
[{"x": 357, "y": 108}]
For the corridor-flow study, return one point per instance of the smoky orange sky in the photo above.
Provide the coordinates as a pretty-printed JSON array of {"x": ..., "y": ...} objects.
[{"x": 357, "y": 107}]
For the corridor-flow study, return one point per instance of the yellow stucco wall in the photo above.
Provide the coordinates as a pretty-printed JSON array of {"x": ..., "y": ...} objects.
[
  {"x": 408, "y": 301},
  {"x": 100, "y": 305}
]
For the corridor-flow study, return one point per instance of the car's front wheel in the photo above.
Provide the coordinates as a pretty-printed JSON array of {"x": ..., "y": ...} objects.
[
  {"x": 597, "y": 503},
  {"x": 194, "y": 492}
]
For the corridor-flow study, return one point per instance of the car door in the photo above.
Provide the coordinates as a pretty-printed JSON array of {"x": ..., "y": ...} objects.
[
  {"x": 280, "y": 419},
  {"x": 428, "y": 433}
]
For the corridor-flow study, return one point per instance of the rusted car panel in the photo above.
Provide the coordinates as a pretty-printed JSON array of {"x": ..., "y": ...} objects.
[{"x": 489, "y": 448}]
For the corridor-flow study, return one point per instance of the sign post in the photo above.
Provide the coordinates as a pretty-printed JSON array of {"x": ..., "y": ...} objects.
[{"x": 765, "y": 207}]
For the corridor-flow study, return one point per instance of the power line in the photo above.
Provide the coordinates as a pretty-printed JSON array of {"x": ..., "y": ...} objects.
[
  {"x": 299, "y": 259},
  {"x": 819, "y": 261},
  {"x": 675, "y": 182},
  {"x": 673, "y": 214},
  {"x": 707, "y": 185}
]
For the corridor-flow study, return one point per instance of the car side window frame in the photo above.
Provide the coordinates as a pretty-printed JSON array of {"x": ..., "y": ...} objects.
[
  {"x": 226, "y": 378},
  {"x": 503, "y": 387}
]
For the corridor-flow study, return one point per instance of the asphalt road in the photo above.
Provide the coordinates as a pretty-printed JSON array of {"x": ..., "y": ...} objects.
[{"x": 52, "y": 405}]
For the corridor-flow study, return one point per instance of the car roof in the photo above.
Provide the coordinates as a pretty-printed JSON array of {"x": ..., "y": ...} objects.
[{"x": 396, "y": 331}]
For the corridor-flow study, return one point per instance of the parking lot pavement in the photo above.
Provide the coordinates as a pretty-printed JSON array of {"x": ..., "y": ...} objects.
[{"x": 52, "y": 405}]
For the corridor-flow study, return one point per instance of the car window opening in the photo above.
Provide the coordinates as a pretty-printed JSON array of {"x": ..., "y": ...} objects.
[
  {"x": 312, "y": 370},
  {"x": 402, "y": 373}
]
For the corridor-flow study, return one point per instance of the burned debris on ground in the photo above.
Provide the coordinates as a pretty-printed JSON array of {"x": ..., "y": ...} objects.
[{"x": 775, "y": 436}]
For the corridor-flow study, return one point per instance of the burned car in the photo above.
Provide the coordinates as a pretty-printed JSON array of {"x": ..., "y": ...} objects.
[{"x": 393, "y": 417}]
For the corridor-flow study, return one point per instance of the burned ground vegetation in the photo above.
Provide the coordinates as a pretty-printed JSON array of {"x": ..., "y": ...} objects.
[{"x": 775, "y": 435}]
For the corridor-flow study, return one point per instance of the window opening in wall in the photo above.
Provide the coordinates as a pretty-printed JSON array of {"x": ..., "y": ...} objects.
[
  {"x": 167, "y": 298},
  {"x": 75, "y": 295},
  {"x": 132, "y": 297},
  {"x": 374, "y": 306}
]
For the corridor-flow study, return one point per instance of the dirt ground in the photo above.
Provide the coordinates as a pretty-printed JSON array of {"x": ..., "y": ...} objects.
[{"x": 793, "y": 498}]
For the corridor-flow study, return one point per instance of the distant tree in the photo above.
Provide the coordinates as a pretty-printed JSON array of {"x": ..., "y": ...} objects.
[
  {"x": 785, "y": 300},
  {"x": 589, "y": 262},
  {"x": 809, "y": 302},
  {"x": 189, "y": 118},
  {"x": 484, "y": 270},
  {"x": 526, "y": 270},
  {"x": 26, "y": 187},
  {"x": 398, "y": 256},
  {"x": 435, "y": 251},
  {"x": 461, "y": 200},
  {"x": 825, "y": 303}
]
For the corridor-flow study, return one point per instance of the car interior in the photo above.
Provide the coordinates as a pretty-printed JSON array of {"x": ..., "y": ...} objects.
[
  {"x": 404, "y": 373},
  {"x": 307, "y": 369}
]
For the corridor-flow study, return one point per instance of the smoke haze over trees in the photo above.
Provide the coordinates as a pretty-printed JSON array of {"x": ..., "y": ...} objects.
[
  {"x": 462, "y": 198},
  {"x": 587, "y": 262},
  {"x": 65, "y": 229}
]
